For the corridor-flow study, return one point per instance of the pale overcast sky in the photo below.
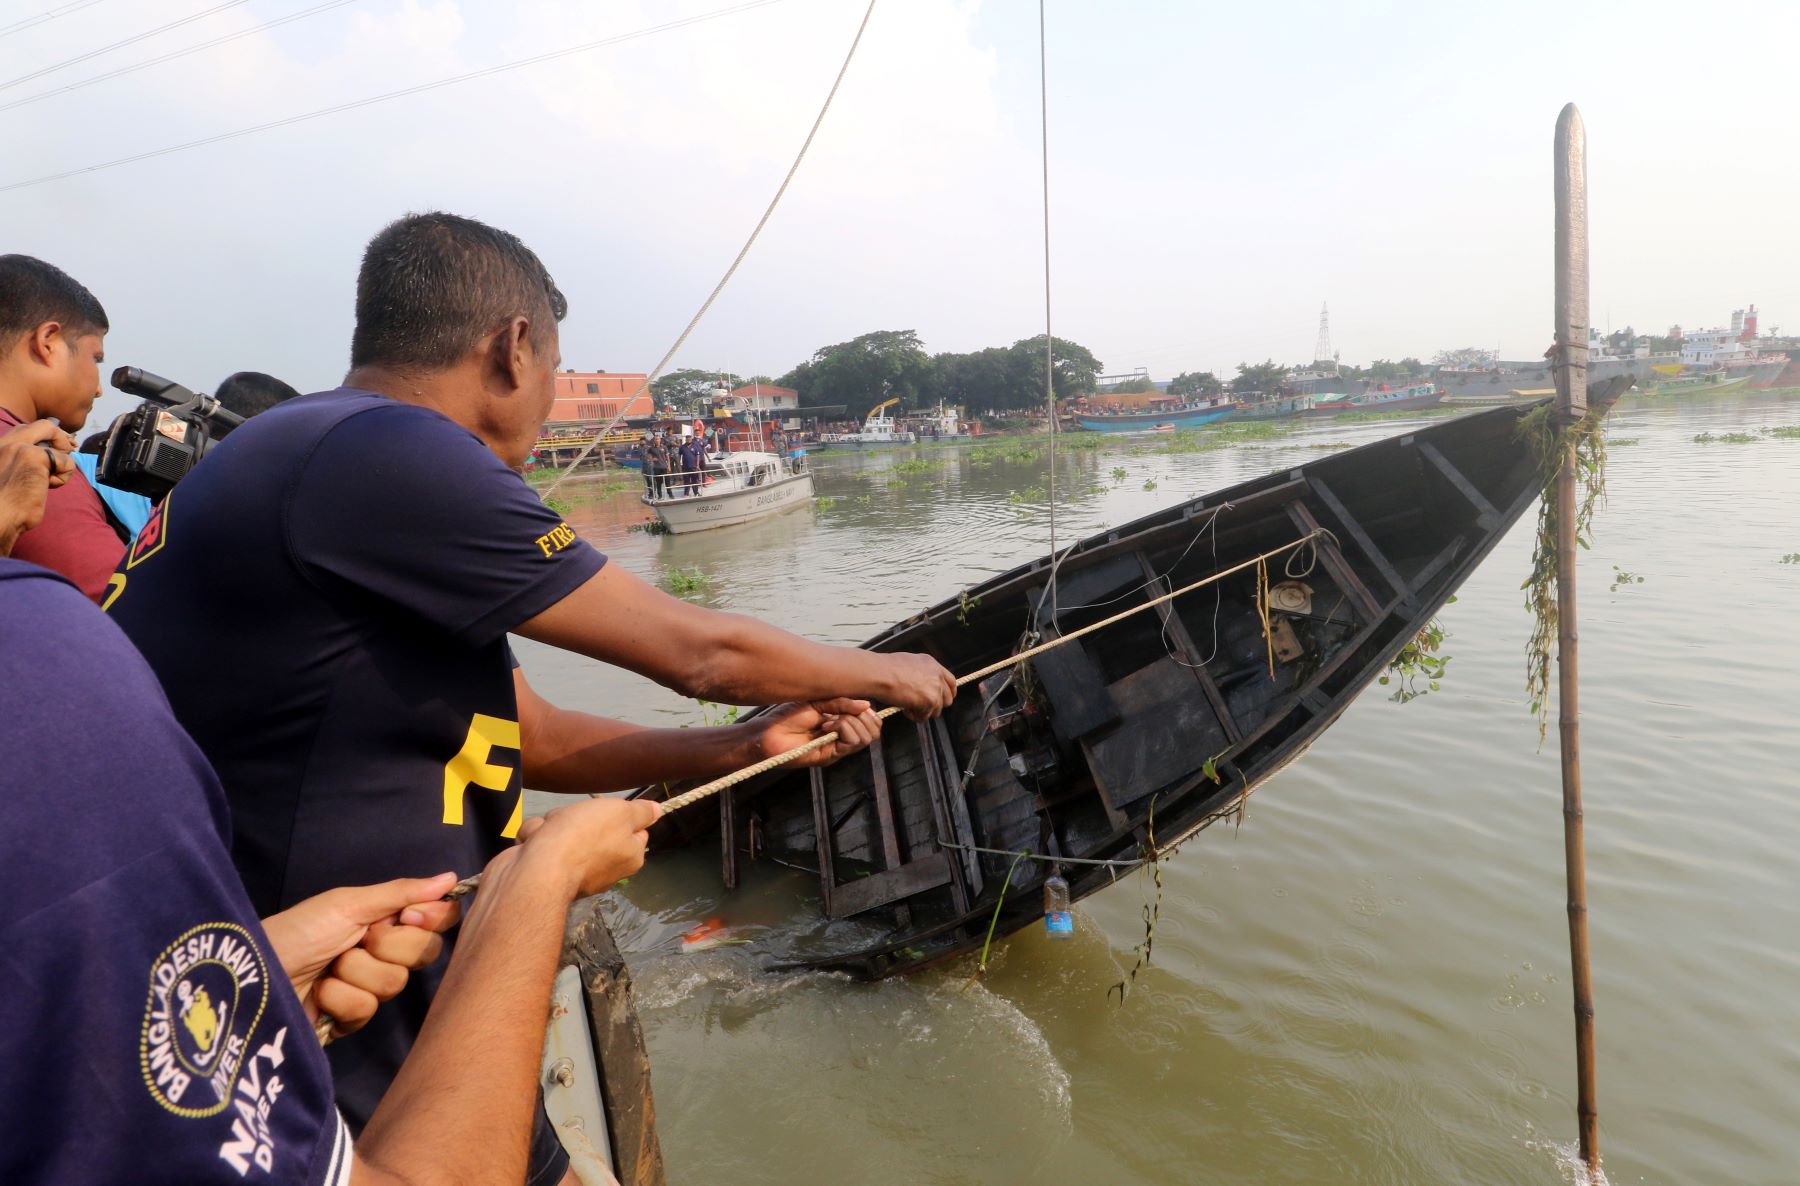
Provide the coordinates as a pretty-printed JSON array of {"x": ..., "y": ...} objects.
[{"x": 1218, "y": 170}]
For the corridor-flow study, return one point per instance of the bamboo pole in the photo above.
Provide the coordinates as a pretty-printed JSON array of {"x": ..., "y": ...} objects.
[{"x": 1571, "y": 391}]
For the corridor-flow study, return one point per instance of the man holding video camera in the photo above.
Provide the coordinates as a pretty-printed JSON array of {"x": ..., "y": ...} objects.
[{"x": 52, "y": 341}]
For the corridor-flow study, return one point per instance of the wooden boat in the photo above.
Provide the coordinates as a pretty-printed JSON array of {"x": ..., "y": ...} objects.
[
  {"x": 1415, "y": 397},
  {"x": 1208, "y": 411},
  {"x": 1713, "y": 383},
  {"x": 1131, "y": 739},
  {"x": 1277, "y": 407}
]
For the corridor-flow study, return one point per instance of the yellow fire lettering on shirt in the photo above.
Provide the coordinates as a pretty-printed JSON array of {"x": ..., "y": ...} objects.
[
  {"x": 115, "y": 585},
  {"x": 470, "y": 767},
  {"x": 558, "y": 538}
]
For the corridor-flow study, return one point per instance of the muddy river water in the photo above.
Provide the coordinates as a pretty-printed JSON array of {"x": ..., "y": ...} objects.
[{"x": 1366, "y": 982}]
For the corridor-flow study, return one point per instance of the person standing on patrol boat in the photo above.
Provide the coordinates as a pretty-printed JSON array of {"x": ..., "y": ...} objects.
[
  {"x": 652, "y": 455},
  {"x": 361, "y": 555},
  {"x": 691, "y": 452}
]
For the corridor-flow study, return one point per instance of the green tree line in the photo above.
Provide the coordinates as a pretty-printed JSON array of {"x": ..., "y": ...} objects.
[
  {"x": 894, "y": 364},
  {"x": 889, "y": 364}
]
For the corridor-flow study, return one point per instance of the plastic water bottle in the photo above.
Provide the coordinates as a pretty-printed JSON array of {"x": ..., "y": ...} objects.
[{"x": 1059, "y": 923}]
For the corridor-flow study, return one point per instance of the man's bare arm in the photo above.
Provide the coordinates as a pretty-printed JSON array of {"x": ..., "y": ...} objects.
[
  {"x": 577, "y": 753},
  {"x": 729, "y": 658},
  {"x": 462, "y": 1106}
]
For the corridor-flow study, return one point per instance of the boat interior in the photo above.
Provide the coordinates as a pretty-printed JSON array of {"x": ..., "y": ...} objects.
[{"x": 1125, "y": 741}]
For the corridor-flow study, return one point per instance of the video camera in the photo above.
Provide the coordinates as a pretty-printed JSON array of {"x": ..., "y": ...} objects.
[{"x": 152, "y": 447}]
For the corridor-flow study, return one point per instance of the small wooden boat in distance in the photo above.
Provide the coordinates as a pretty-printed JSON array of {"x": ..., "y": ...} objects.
[
  {"x": 1175, "y": 415},
  {"x": 1131, "y": 739},
  {"x": 1411, "y": 398}
]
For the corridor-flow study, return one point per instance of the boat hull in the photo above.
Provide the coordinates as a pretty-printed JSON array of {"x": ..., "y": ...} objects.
[
  {"x": 1132, "y": 738},
  {"x": 1367, "y": 404},
  {"x": 882, "y": 443},
  {"x": 1760, "y": 375},
  {"x": 1493, "y": 400},
  {"x": 1281, "y": 409},
  {"x": 1152, "y": 421},
  {"x": 703, "y": 512},
  {"x": 1680, "y": 387}
]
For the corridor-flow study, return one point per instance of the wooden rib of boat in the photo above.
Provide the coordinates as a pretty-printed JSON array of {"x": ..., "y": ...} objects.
[{"x": 1156, "y": 724}]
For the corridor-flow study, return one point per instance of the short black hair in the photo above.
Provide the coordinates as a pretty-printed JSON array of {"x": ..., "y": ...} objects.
[
  {"x": 33, "y": 292},
  {"x": 433, "y": 285},
  {"x": 250, "y": 392}
]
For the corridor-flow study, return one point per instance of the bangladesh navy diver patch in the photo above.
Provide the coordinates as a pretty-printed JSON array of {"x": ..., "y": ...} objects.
[{"x": 208, "y": 990}]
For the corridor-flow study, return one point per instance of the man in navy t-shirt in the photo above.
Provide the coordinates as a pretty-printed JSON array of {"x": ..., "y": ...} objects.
[
  {"x": 326, "y": 600},
  {"x": 153, "y": 1032},
  {"x": 689, "y": 455},
  {"x": 142, "y": 1004}
]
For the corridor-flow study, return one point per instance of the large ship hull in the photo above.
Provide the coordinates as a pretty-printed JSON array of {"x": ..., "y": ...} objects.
[
  {"x": 1760, "y": 375},
  {"x": 1277, "y": 409},
  {"x": 1367, "y": 404}
]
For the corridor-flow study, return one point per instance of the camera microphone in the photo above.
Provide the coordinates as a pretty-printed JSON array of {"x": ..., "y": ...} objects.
[
  {"x": 150, "y": 449},
  {"x": 170, "y": 394}
]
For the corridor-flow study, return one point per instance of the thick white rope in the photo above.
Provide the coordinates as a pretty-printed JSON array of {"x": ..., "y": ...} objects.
[
  {"x": 1049, "y": 340},
  {"x": 729, "y": 272}
]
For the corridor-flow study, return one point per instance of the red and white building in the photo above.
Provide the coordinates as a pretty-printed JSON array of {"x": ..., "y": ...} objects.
[{"x": 599, "y": 396}]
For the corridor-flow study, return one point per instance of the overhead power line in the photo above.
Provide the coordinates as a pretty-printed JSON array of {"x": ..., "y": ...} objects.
[
  {"x": 174, "y": 54},
  {"x": 121, "y": 44},
  {"x": 371, "y": 100},
  {"x": 44, "y": 18}
]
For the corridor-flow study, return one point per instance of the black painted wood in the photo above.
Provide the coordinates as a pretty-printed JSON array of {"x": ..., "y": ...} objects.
[
  {"x": 1487, "y": 515},
  {"x": 1087, "y": 742},
  {"x": 1360, "y": 538}
]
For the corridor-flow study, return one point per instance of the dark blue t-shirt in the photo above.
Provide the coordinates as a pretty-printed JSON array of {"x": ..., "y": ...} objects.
[
  {"x": 326, "y": 599},
  {"x": 150, "y": 1035}
]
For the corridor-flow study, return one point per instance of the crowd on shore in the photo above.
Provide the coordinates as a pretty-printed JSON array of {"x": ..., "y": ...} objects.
[{"x": 259, "y": 725}]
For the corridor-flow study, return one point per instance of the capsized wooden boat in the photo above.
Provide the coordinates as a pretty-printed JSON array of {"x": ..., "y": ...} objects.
[{"x": 1152, "y": 727}]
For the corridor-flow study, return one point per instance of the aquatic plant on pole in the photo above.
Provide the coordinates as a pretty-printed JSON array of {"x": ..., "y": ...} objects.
[{"x": 1571, "y": 359}]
